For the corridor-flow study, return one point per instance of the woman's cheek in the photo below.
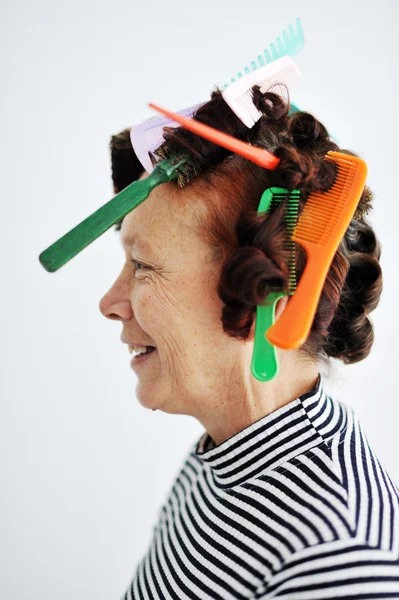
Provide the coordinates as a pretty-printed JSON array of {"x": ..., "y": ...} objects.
[
  {"x": 143, "y": 305},
  {"x": 157, "y": 309},
  {"x": 150, "y": 309}
]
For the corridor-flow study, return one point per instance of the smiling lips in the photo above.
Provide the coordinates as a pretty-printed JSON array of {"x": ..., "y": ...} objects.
[{"x": 141, "y": 349}]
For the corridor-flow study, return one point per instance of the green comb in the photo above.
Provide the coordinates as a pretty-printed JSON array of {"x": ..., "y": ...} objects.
[
  {"x": 73, "y": 242},
  {"x": 264, "y": 360}
]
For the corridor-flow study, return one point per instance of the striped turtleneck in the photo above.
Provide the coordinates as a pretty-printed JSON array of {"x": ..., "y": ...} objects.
[{"x": 296, "y": 505}]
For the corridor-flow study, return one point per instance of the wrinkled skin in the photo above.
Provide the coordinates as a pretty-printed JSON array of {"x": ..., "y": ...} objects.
[{"x": 170, "y": 301}]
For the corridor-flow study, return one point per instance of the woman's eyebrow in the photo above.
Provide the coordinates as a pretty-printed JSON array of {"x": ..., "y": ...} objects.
[
  {"x": 133, "y": 240},
  {"x": 130, "y": 240}
]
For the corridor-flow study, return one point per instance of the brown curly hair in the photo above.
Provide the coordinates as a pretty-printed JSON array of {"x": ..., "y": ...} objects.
[{"x": 251, "y": 246}]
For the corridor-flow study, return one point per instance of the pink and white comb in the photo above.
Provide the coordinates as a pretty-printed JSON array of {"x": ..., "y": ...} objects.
[
  {"x": 281, "y": 72},
  {"x": 148, "y": 136}
]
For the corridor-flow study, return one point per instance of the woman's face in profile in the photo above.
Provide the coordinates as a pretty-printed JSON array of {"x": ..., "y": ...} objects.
[{"x": 166, "y": 296}]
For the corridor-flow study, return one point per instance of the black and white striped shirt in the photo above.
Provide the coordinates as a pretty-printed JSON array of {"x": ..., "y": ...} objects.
[{"x": 295, "y": 506}]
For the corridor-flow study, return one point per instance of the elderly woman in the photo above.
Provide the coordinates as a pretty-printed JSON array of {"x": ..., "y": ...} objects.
[{"x": 281, "y": 496}]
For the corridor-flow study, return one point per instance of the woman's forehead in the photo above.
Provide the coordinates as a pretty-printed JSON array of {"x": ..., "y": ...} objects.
[{"x": 156, "y": 221}]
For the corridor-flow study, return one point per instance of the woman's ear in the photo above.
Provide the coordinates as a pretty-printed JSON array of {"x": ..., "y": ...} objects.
[{"x": 281, "y": 304}]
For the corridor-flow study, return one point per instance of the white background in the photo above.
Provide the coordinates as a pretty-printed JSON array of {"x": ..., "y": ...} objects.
[{"x": 84, "y": 467}]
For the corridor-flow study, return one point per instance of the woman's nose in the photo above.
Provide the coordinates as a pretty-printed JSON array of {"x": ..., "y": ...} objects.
[{"x": 115, "y": 304}]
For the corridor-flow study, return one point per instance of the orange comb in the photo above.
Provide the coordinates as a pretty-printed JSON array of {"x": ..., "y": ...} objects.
[
  {"x": 320, "y": 229},
  {"x": 259, "y": 156}
]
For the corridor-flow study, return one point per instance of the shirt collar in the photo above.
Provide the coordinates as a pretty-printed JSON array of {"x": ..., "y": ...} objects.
[{"x": 303, "y": 423}]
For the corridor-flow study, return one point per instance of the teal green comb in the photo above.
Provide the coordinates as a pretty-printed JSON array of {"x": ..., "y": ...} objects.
[
  {"x": 73, "y": 242},
  {"x": 264, "y": 364},
  {"x": 290, "y": 45}
]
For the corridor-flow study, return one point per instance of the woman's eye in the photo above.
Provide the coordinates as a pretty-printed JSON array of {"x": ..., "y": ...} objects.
[{"x": 138, "y": 265}]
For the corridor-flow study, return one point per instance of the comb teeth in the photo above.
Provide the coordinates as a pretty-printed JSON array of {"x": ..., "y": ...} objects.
[
  {"x": 291, "y": 217},
  {"x": 322, "y": 210},
  {"x": 290, "y": 45}
]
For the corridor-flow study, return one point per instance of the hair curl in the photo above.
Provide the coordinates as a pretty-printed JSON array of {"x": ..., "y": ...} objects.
[
  {"x": 125, "y": 166},
  {"x": 251, "y": 246}
]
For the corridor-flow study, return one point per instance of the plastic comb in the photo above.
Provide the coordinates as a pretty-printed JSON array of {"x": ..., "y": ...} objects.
[
  {"x": 320, "y": 229},
  {"x": 264, "y": 366}
]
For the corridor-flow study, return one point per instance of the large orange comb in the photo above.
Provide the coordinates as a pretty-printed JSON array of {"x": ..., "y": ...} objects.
[
  {"x": 260, "y": 156},
  {"x": 320, "y": 229}
]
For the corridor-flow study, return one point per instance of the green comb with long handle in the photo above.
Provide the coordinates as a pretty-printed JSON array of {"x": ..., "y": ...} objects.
[
  {"x": 264, "y": 366},
  {"x": 73, "y": 242}
]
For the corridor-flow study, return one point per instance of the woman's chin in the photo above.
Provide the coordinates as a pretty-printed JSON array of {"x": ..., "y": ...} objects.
[
  {"x": 146, "y": 399},
  {"x": 151, "y": 402}
]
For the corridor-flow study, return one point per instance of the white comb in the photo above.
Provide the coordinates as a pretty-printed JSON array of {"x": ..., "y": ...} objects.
[{"x": 238, "y": 95}]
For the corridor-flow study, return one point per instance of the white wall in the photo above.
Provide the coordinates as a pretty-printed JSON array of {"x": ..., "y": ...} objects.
[{"x": 84, "y": 467}]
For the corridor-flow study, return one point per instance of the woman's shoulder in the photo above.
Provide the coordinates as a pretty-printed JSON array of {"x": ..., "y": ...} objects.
[{"x": 344, "y": 476}]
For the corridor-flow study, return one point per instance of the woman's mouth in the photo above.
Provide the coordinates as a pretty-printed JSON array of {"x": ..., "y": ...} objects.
[{"x": 141, "y": 358}]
